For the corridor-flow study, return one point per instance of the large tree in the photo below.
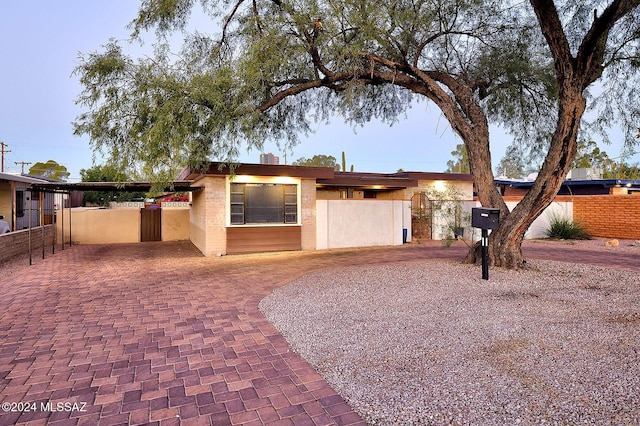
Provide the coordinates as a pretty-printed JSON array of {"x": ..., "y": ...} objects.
[
  {"x": 275, "y": 66},
  {"x": 106, "y": 173},
  {"x": 318, "y": 160},
  {"x": 51, "y": 169},
  {"x": 460, "y": 162}
]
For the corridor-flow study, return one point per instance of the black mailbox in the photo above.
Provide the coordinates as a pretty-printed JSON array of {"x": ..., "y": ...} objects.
[{"x": 485, "y": 218}]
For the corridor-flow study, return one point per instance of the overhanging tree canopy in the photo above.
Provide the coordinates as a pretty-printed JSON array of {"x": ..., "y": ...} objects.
[{"x": 275, "y": 66}]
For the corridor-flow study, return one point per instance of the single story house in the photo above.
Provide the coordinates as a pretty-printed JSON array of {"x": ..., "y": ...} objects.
[{"x": 261, "y": 207}]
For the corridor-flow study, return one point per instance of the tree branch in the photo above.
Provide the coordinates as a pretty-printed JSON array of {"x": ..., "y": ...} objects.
[
  {"x": 553, "y": 32},
  {"x": 255, "y": 13},
  {"x": 590, "y": 55},
  {"x": 227, "y": 21}
]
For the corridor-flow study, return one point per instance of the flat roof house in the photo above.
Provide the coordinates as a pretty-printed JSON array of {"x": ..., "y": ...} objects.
[{"x": 261, "y": 208}]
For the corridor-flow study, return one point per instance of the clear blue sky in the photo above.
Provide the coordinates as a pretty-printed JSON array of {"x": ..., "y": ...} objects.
[{"x": 39, "y": 48}]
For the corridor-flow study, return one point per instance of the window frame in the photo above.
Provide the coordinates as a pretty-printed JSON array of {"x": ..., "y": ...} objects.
[{"x": 237, "y": 206}]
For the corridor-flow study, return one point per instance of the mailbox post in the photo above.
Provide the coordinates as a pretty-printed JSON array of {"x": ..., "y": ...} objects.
[{"x": 485, "y": 219}]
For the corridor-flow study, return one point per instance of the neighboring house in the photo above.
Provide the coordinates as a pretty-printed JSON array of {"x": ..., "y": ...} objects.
[
  {"x": 579, "y": 186},
  {"x": 608, "y": 208},
  {"x": 25, "y": 210},
  {"x": 21, "y": 206}
]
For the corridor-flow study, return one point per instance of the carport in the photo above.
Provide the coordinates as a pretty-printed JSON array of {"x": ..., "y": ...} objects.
[
  {"x": 29, "y": 212},
  {"x": 66, "y": 188}
]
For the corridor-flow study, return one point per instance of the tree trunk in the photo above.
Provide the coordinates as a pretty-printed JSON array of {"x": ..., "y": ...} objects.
[{"x": 505, "y": 243}]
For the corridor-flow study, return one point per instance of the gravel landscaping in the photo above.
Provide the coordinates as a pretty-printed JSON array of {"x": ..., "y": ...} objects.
[{"x": 432, "y": 343}]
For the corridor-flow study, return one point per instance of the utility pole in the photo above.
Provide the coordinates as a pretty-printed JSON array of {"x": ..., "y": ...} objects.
[
  {"x": 4, "y": 151},
  {"x": 22, "y": 163}
]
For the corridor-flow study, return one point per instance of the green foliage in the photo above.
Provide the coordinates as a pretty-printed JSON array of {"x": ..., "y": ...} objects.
[
  {"x": 106, "y": 173},
  {"x": 50, "y": 169},
  {"x": 271, "y": 72},
  {"x": 621, "y": 170},
  {"x": 460, "y": 163},
  {"x": 590, "y": 155},
  {"x": 318, "y": 161},
  {"x": 512, "y": 164},
  {"x": 276, "y": 67},
  {"x": 561, "y": 227}
]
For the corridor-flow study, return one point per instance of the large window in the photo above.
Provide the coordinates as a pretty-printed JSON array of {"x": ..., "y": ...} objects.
[{"x": 261, "y": 203}]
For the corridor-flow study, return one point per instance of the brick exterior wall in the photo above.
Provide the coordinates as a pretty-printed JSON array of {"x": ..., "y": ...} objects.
[
  {"x": 308, "y": 209},
  {"x": 16, "y": 243},
  {"x": 208, "y": 216},
  {"x": 609, "y": 216}
]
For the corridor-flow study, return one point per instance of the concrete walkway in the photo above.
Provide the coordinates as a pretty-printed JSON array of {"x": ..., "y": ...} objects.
[{"x": 154, "y": 333}]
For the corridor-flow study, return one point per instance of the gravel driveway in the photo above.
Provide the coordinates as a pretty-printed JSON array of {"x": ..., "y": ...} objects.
[{"x": 432, "y": 343}]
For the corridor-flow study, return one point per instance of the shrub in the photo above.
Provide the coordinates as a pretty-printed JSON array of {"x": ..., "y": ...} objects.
[{"x": 567, "y": 229}]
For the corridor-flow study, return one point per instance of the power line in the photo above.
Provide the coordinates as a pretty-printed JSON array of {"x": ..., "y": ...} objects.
[
  {"x": 629, "y": 154},
  {"x": 4, "y": 151},
  {"x": 23, "y": 164}
]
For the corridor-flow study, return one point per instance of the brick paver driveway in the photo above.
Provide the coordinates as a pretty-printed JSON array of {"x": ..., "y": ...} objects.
[{"x": 154, "y": 333}]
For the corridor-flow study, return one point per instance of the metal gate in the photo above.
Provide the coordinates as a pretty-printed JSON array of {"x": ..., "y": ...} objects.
[
  {"x": 421, "y": 216},
  {"x": 150, "y": 224}
]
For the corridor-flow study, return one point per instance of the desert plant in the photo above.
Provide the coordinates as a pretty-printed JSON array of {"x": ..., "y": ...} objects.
[{"x": 567, "y": 229}]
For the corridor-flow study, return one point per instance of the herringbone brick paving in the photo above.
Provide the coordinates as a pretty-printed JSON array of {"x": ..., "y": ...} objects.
[{"x": 154, "y": 333}]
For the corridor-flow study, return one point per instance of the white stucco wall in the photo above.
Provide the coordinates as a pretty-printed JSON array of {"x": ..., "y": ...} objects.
[
  {"x": 361, "y": 223},
  {"x": 539, "y": 226}
]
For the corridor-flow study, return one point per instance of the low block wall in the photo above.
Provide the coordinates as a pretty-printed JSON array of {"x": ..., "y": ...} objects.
[
  {"x": 16, "y": 243},
  {"x": 609, "y": 216},
  {"x": 113, "y": 226},
  {"x": 100, "y": 226},
  {"x": 175, "y": 224},
  {"x": 604, "y": 216},
  {"x": 562, "y": 208}
]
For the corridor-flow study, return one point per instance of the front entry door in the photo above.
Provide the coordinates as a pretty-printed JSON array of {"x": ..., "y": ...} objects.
[{"x": 150, "y": 225}]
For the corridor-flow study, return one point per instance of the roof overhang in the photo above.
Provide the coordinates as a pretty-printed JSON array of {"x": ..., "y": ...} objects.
[
  {"x": 223, "y": 169},
  {"x": 455, "y": 177},
  {"x": 21, "y": 178},
  {"x": 367, "y": 181},
  {"x": 176, "y": 186},
  {"x": 605, "y": 183},
  {"x": 326, "y": 177}
]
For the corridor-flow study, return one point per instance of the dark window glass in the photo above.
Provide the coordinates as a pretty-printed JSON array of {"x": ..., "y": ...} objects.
[
  {"x": 257, "y": 203},
  {"x": 237, "y": 203},
  {"x": 290, "y": 204},
  {"x": 19, "y": 203}
]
